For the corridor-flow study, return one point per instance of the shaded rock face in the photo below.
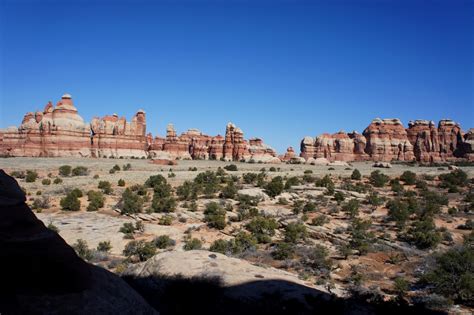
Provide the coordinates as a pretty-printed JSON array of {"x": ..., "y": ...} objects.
[
  {"x": 60, "y": 131},
  {"x": 41, "y": 274},
  {"x": 388, "y": 140}
]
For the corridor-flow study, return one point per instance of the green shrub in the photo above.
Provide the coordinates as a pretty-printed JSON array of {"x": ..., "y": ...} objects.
[
  {"x": 104, "y": 246},
  {"x": 356, "y": 175},
  {"x": 229, "y": 191},
  {"x": 283, "y": 251},
  {"x": 221, "y": 246},
  {"x": 82, "y": 249},
  {"x": 130, "y": 202},
  {"x": 453, "y": 275},
  {"x": 127, "y": 167},
  {"x": 80, "y": 171},
  {"x": 163, "y": 204},
  {"x": 378, "y": 179},
  {"x": 250, "y": 178},
  {"x": 262, "y": 228},
  {"x": 292, "y": 181},
  {"x": 121, "y": 183},
  {"x": 70, "y": 202},
  {"x": 18, "y": 174},
  {"x": 294, "y": 232},
  {"x": 351, "y": 207},
  {"x": 105, "y": 186},
  {"x": 214, "y": 215},
  {"x": 57, "y": 181},
  {"x": 65, "y": 170},
  {"x": 41, "y": 203},
  {"x": 192, "y": 244},
  {"x": 164, "y": 241},
  {"x": 423, "y": 234},
  {"x": 166, "y": 220},
  {"x": 46, "y": 181},
  {"x": 318, "y": 258},
  {"x": 361, "y": 238},
  {"x": 231, "y": 168},
  {"x": 275, "y": 187},
  {"x": 457, "y": 178},
  {"x": 401, "y": 286},
  {"x": 127, "y": 228},
  {"x": 320, "y": 220},
  {"x": 31, "y": 176},
  {"x": 52, "y": 227},
  {"x": 326, "y": 181},
  {"x": 398, "y": 212},
  {"x": 339, "y": 197},
  {"x": 140, "y": 249},
  {"x": 408, "y": 177},
  {"x": 96, "y": 200}
]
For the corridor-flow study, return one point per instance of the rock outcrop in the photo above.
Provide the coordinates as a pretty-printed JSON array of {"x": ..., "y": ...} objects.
[
  {"x": 60, "y": 131},
  {"x": 41, "y": 274},
  {"x": 387, "y": 140}
]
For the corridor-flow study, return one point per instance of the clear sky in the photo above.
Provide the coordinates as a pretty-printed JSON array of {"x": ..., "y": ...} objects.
[{"x": 280, "y": 70}]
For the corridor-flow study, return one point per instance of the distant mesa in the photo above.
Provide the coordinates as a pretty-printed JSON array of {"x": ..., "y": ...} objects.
[{"x": 59, "y": 131}]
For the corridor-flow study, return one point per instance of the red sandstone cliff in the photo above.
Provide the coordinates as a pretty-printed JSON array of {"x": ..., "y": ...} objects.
[
  {"x": 388, "y": 140},
  {"x": 60, "y": 131}
]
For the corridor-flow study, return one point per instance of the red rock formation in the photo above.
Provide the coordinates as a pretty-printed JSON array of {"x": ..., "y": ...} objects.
[
  {"x": 387, "y": 140},
  {"x": 289, "y": 154},
  {"x": 60, "y": 131}
]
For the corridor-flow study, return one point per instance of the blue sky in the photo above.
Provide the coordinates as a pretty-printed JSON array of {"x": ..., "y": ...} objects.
[{"x": 280, "y": 70}]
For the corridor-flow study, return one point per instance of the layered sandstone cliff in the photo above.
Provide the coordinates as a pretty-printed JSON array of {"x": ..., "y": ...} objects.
[
  {"x": 60, "y": 131},
  {"x": 193, "y": 144},
  {"x": 388, "y": 140}
]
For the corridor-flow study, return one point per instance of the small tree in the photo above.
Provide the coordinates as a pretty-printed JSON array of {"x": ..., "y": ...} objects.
[
  {"x": 105, "y": 186},
  {"x": 65, "y": 170},
  {"x": 130, "y": 202},
  {"x": 121, "y": 183},
  {"x": 96, "y": 200},
  {"x": 231, "y": 168},
  {"x": 283, "y": 251},
  {"x": 104, "y": 246},
  {"x": 408, "y": 177},
  {"x": 80, "y": 171},
  {"x": 295, "y": 231},
  {"x": 192, "y": 244},
  {"x": 378, "y": 179},
  {"x": 423, "y": 234},
  {"x": 275, "y": 187},
  {"x": 70, "y": 202},
  {"x": 82, "y": 249},
  {"x": 356, "y": 175},
  {"x": 452, "y": 274},
  {"x": 31, "y": 176},
  {"x": 361, "y": 238},
  {"x": 351, "y": 207},
  {"x": 140, "y": 249},
  {"x": 164, "y": 241},
  {"x": 214, "y": 215},
  {"x": 262, "y": 228}
]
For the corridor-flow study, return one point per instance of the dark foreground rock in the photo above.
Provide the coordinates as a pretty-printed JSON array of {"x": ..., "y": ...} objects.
[{"x": 41, "y": 274}]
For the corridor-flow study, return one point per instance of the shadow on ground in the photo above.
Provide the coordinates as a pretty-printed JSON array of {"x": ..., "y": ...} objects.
[{"x": 178, "y": 295}]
